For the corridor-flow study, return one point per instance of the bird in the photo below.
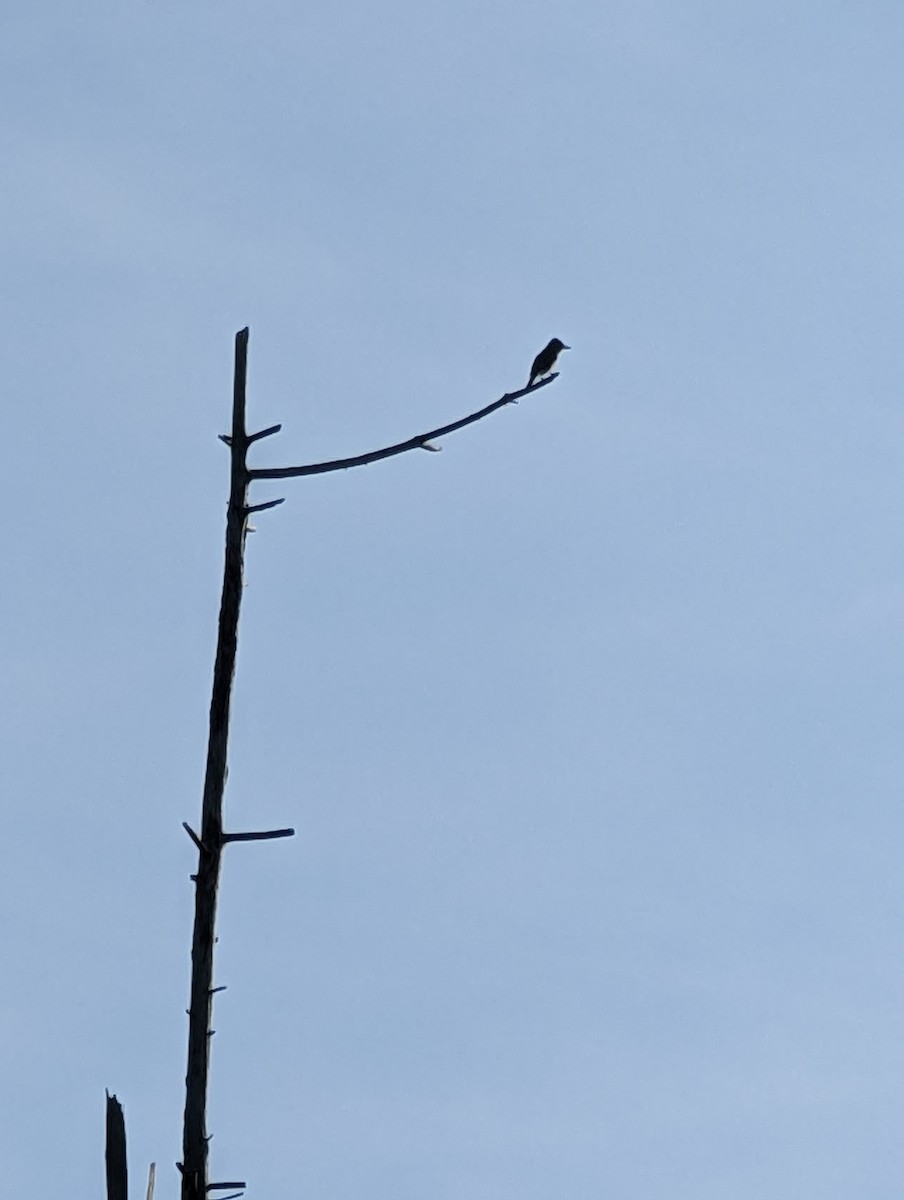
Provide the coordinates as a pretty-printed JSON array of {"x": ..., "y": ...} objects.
[{"x": 545, "y": 360}]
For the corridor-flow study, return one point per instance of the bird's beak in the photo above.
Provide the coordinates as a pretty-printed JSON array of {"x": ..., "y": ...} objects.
[{"x": 566, "y": 347}]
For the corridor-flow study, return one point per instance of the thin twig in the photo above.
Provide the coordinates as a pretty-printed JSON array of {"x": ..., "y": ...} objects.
[
  {"x": 415, "y": 443},
  {"x": 250, "y": 508},
  {"x": 194, "y": 837},
  {"x": 262, "y": 433}
]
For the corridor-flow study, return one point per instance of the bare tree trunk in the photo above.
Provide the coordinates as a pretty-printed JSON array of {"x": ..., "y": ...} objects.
[
  {"x": 210, "y": 845},
  {"x": 117, "y": 1169}
]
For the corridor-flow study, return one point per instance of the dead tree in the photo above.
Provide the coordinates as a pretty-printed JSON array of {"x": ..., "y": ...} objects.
[
  {"x": 212, "y": 838},
  {"x": 115, "y": 1155},
  {"x": 117, "y": 1171}
]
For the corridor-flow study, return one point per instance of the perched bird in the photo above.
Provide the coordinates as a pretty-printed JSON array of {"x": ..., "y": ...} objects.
[{"x": 546, "y": 359}]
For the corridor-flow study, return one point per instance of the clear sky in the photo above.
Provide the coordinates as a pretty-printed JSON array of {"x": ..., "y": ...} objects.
[{"x": 591, "y": 725}]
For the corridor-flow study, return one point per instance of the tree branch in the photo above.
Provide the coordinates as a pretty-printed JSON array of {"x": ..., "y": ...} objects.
[
  {"x": 258, "y": 836},
  {"x": 262, "y": 433},
  {"x": 253, "y": 508},
  {"x": 415, "y": 443},
  {"x": 194, "y": 837}
]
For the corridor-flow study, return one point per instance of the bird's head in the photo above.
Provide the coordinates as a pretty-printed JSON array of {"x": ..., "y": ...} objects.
[{"x": 559, "y": 345}]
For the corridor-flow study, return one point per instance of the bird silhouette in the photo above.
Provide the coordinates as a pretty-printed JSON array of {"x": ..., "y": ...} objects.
[{"x": 545, "y": 360}]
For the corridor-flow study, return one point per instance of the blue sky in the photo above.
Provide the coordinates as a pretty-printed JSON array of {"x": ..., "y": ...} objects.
[{"x": 590, "y": 726}]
